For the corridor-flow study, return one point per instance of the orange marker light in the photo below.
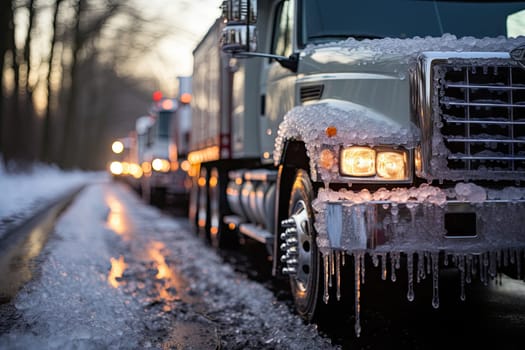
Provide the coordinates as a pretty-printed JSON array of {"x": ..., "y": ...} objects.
[
  {"x": 185, "y": 98},
  {"x": 331, "y": 131}
]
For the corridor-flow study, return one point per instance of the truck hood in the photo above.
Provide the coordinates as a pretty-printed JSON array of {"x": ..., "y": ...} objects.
[{"x": 391, "y": 56}]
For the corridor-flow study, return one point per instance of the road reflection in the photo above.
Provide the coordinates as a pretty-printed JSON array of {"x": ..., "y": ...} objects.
[
  {"x": 117, "y": 219},
  {"x": 118, "y": 266},
  {"x": 168, "y": 282}
]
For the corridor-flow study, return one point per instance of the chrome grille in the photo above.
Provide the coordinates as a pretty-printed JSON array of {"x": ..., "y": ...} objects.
[{"x": 481, "y": 118}]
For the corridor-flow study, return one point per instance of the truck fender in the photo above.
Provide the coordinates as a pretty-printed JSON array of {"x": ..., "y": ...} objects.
[{"x": 332, "y": 123}]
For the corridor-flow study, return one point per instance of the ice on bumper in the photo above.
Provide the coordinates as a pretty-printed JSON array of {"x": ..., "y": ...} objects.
[{"x": 463, "y": 219}]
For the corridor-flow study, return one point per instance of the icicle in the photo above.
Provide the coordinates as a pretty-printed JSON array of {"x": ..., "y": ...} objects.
[
  {"x": 393, "y": 276},
  {"x": 410, "y": 270},
  {"x": 343, "y": 260},
  {"x": 474, "y": 265},
  {"x": 428, "y": 263},
  {"x": 357, "y": 294},
  {"x": 420, "y": 267},
  {"x": 383, "y": 266},
  {"x": 338, "y": 274},
  {"x": 518, "y": 263},
  {"x": 468, "y": 278},
  {"x": 462, "y": 276},
  {"x": 332, "y": 263},
  {"x": 512, "y": 259},
  {"x": 326, "y": 277},
  {"x": 375, "y": 260},
  {"x": 492, "y": 264},
  {"x": 362, "y": 262},
  {"x": 435, "y": 280},
  {"x": 445, "y": 260},
  {"x": 330, "y": 268},
  {"x": 486, "y": 265}
]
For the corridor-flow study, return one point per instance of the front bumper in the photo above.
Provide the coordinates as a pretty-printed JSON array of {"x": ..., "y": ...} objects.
[{"x": 451, "y": 226}]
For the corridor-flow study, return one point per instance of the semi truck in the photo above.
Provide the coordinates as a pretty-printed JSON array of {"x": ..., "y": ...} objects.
[
  {"x": 382, "y": 132},
  {"x": 163, "y": 141}
]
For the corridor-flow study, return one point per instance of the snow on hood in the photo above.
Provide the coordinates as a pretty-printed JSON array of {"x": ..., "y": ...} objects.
[
  {"x": 355, "y": 125},
  {"x": 377, "y": 49}
]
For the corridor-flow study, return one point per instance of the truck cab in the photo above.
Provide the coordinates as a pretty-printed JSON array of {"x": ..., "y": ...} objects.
[{"x": 392, "y": 130}]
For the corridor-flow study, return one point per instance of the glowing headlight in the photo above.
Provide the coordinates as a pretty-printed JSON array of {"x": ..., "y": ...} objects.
[
  {"x": 392, "y": 165},
  {"x": 382, "y": 163},
  {"x": 115, "y": 168},
  {"x": 358, "y": 161},
  {"x": 161, "y": 165},
  {"x": 135, "y": 170}
]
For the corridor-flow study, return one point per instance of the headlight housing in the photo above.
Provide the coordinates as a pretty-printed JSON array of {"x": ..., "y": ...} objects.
[{"x": 382, "y": 163}]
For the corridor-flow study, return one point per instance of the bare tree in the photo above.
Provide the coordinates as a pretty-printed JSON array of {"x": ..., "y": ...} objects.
[
  {"x": 46, "y": 145},
  {"x": 6, "y": 20}
]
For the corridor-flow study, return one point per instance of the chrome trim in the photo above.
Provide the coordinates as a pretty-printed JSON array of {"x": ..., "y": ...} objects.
[
  {"x": 423, "y": 100},
  {"x": 315, "y": 78}
]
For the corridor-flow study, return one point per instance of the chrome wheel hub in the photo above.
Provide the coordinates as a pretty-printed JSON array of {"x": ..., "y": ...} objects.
[{"x": 297, "y": 245}]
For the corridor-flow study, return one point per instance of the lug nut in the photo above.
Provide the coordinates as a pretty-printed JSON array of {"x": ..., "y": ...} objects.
[
  {"x": 288, "y": 222},
  {"x": 289, "y": 271},
  {"x": 292, "y": 262},
  {"x": 291, "y": 241}
]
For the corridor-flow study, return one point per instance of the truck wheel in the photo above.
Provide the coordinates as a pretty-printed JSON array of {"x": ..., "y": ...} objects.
[{"x": 301, "y": 255}]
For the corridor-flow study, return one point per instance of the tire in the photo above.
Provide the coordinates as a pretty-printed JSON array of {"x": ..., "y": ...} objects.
[{"x": 305, "y": 283}]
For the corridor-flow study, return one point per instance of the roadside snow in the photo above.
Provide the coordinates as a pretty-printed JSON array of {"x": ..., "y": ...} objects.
[{"x": 22, "y": 194}]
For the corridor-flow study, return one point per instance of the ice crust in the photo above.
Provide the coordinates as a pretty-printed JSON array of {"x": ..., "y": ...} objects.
[
  {"x": 409, "y": 222},
  {"x": 407, "y": 50},
  {"x": 355, "y": 125}
]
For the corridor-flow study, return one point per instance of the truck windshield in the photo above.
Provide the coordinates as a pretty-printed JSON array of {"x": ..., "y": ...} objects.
[
  {"x": 164, "y": 124},
  {"x": 329, "y": 20}
]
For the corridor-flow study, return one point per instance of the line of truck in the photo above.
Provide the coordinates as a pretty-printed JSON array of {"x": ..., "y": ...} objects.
[{"x": 362, "y": 132}]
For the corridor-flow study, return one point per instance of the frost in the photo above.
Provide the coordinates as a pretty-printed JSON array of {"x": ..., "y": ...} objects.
[
  {"x": 470, "y": 193},
  {"x": 407, "y": 50},
  {"x": 355, "y": 125},
  {"x": 386, "y": 224}
]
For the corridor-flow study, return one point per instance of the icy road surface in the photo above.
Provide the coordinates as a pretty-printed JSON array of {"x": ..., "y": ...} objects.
[{"x": 119, "y": 274}]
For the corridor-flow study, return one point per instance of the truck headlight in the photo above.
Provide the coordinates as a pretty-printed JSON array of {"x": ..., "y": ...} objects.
[
  {"x": 366, "y": 162},
  {"x": 392, "y": 165},
  {"x": 358, "y": 161},
  {"x": 161, "y": 165},
  {"x": 115, "y": 168}
]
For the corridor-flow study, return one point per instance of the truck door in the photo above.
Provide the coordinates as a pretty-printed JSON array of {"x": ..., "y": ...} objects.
[{"x": 280, "y": 96}]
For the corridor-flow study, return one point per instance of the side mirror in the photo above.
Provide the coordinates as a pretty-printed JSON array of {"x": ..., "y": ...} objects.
[{"x": 240, "y": 34}]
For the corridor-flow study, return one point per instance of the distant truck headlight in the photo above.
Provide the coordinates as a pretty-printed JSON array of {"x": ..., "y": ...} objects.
[
  {"x": 161, "y": 165},
  {"x": 367, "y": 162},
  {"x": 115, "y": 168}
]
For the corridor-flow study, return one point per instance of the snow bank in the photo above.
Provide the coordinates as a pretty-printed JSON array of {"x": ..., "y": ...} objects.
[{"x": 21, "y": 194}]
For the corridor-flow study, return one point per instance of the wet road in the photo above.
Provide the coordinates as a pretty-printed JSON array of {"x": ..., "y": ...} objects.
[{"x": 119, "y": 274}]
